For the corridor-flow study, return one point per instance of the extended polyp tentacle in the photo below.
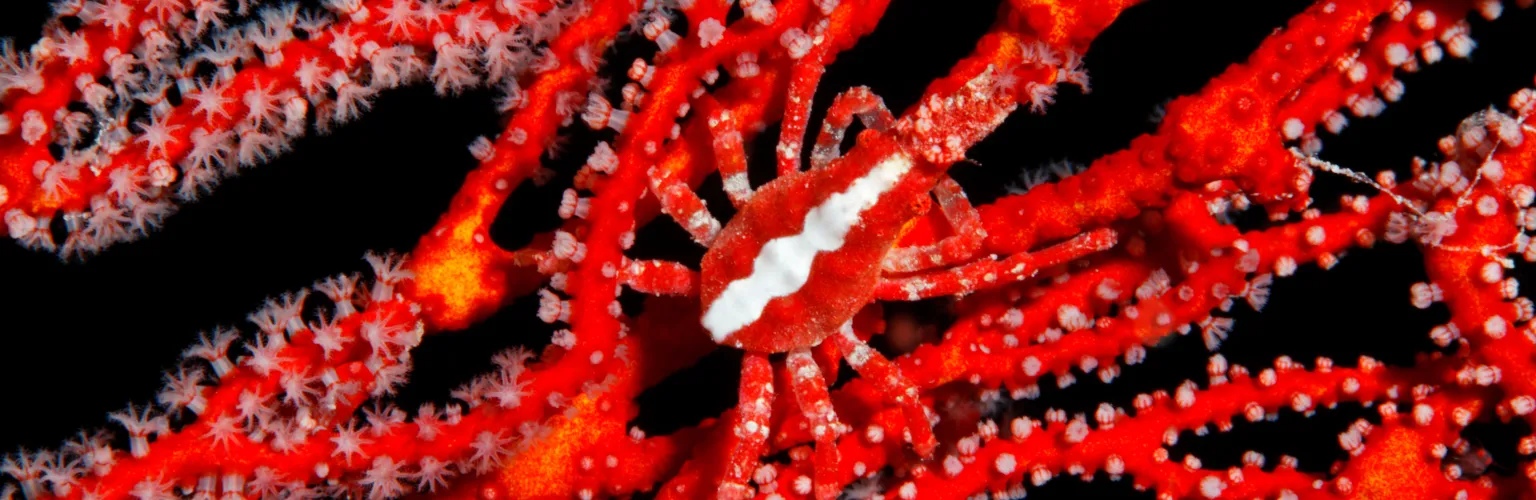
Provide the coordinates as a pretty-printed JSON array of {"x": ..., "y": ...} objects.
[
  {"x": 855, "y": 102},
  {"x": 754, "y": 409},
  {"x": 873, "y": 367},
  {"x": 680, "y": 202},
  {"x": 312, "y": 69},
  {"x": 958, "y": 247},
  {"x": 731, "y": 157},
  {"x": 986, "y": 274},
  {"x": 661, "y": 277},
  {"x": 811, "y": 394}
]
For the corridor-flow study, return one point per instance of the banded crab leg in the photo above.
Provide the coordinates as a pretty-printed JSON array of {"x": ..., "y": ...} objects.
[
  {"x": 811, "y": 395},
  {"x": 679, "y": 201},
  {"x": 875, "y": 368},
  {"x": 730, "y": 153},
  {"x": 855, "y": 102},
  {"x": 684, "y": 205},
  {"x": 754, "y": 408},
  {"x": 989, "y": 273},
  {"x": 661, "y": 277},
  {"x": 731, "y": 157},
  {"x": 961, "y": 246}
]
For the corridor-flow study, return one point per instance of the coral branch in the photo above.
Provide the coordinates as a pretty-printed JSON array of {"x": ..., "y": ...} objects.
[{"x": 966, "y": 319}]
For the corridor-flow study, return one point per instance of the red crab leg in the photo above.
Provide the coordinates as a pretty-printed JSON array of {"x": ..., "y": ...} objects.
[
  {"x": 843, "y": 27},
  {"x": 991, "y": 273},
  {"x": 804, "y": 76},
  {"x": 731, "y": 156},
  {"x": 857, "y": 101},
  {"x": 754, "y": 407},
  {"x": 661, "y": 277},
  {"x": 873, "y": 367},
  {"x": 958, "y": 247},
  {"x": 684, "y": 205},
  {"x": 811, "y": 394}
]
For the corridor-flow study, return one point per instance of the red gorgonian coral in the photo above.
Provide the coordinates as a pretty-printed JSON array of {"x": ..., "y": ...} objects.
[{"x": 125, "y": 110}]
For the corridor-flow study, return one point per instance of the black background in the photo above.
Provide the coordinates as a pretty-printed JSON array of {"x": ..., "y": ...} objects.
[{"x": 80, "y": 340}]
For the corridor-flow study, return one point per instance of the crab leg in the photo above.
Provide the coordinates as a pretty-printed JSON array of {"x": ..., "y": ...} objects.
[
  {"x": 985, "y": 274},
  {"x": 873, "y": 367},
  {"x": 804, "y": 76},
  {"x": 661, "y": 277},
  {"x": 754, "y": 407},
  {"x": 958, "y": 247},
  {"x": 811, "y": 394},
  {"x": 855, "y": 102},
  {"x": 731, "y": 157},
  {"x": 680, "y": 202}
]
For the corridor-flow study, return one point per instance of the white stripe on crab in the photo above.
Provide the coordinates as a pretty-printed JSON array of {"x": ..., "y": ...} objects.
[{"x": 783, "y": 264}]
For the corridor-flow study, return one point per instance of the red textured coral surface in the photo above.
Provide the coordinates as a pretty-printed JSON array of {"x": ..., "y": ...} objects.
[{"x": 125, "y": 111}]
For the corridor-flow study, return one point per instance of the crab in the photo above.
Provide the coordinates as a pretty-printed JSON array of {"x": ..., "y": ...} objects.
[{"x": 810, "y": 249}]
